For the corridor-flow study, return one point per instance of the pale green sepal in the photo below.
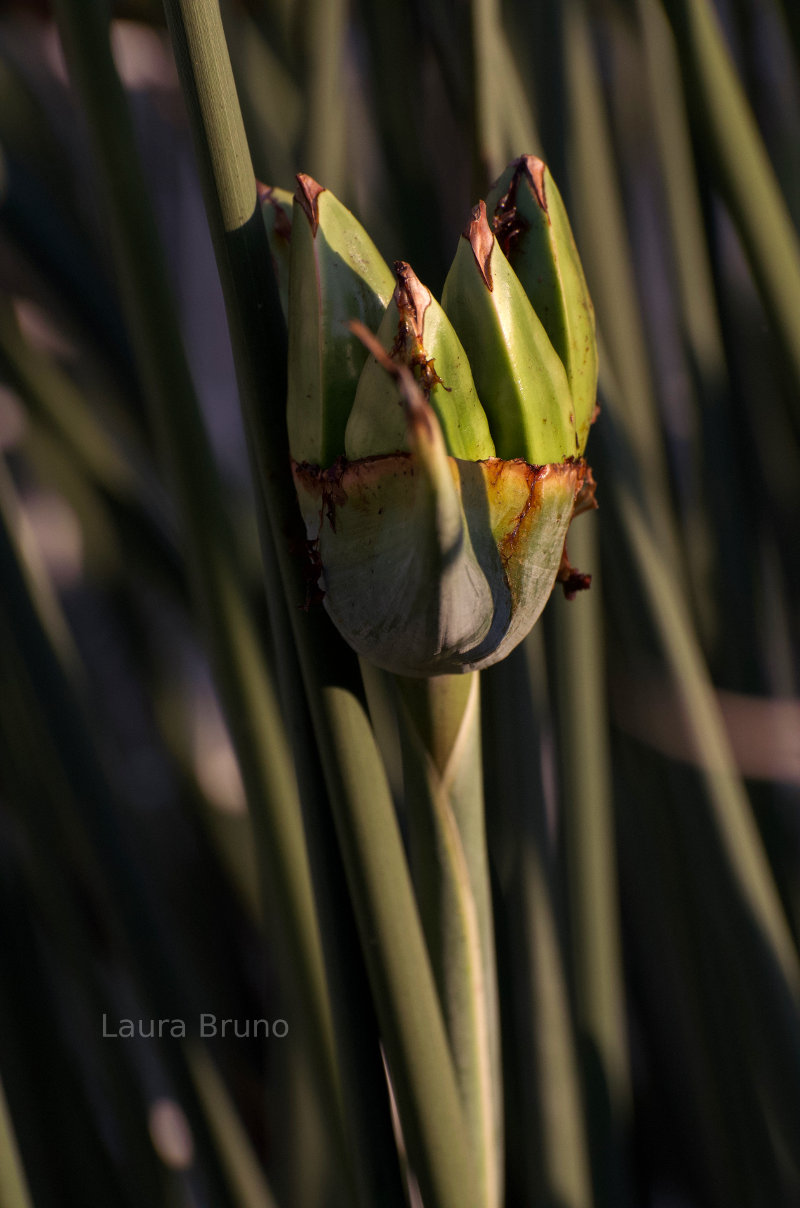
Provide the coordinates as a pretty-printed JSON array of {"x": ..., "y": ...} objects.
[
  {"x": 276, "y": 210},
  {"x": 531, "y": 225},
  {"x": 518, "y": 374},
  {"x": 402, "y": 584},
  {"x": 416, "y": 332},
  {"x": 530, "y": 509},
  {"x": 336, "y": 275}
]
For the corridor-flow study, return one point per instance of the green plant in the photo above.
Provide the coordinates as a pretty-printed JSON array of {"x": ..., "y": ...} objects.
[{"x": 589, "y": 821}]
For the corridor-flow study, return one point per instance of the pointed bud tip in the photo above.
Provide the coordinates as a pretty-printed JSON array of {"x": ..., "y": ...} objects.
[
  {"x": 534, "y": 169},
  {"x": 307, "y": 194},
  {"x": 508, "y": 221},
  {"x": 480, "y": 237},
  {"x": 411, "y": 297}
]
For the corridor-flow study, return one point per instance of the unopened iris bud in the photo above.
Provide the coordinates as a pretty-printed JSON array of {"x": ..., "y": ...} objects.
[
  {"x": 436, "y": 555},
  {"x": 531, "y": 225},
  {"x": 432, "y": 564}
]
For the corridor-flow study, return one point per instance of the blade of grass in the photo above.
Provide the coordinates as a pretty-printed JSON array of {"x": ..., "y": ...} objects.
[
  {"x": 323, "y": 141},
  {"x": 381, "y": 697}
]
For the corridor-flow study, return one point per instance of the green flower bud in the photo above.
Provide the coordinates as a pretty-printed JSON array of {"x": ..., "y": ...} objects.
[
  {"x": 434, "y": 555},
  {"x": 276, "y": 210},
  {"x": 336, "y": 274},
  {"x": 416, "y": 332},
  {"x": 518, "y": 373},
  {"x": 532, "y": 227},
  {"x": 434, "y": 565}
]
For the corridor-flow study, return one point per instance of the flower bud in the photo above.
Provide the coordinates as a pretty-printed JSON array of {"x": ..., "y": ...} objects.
[
  {"x": 518, "y": 373},
  {"x": 433, "y": 565},
  {"x": 336, "y": 274},
  {"x": 531, "y": 225}
]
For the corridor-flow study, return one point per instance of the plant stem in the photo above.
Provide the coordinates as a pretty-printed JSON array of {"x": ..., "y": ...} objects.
[{"x": 440, "y": 734}]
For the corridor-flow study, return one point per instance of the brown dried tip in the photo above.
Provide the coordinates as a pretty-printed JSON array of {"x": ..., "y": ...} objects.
[
  {"x": 534, "y": 168},
  {"x": 411, "y": 297},
  {"x": 508, "y": 223},
  {"x": 571, "y": 580},
  {"x": 480, "y": 236},
  {"x": 307, "y": 193}
]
